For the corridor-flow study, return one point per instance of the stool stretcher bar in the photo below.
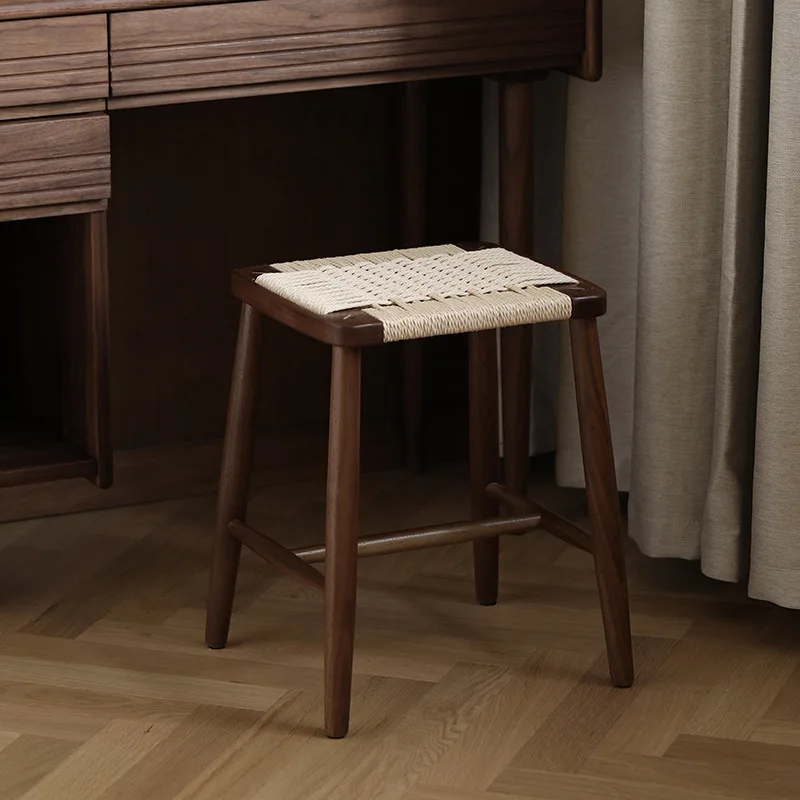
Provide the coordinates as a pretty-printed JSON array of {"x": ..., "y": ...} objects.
[
  {"x": 297, "y": 563},
  {"x": 432, "y": 536},
  {"x": 551, "y": 523},
  {"x": 276, "y": 554}
]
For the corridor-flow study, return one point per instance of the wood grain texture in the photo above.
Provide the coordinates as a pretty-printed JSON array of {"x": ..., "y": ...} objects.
[
  {"x": 52, "y": 109},
  {"x": 54, "y": 162},
  {"x": 602, "y": 497},
  {"x": 341, "y": 536},
  {"x": 115, "y": 697},
  {"x": 59, "y": 60},
  {"x": 180, "y": 50},
  {"x": 484, "y": 457},
  {"x": 284, "y": 87},
  {"x": 234, "y": 483},
  {"x": 40, "y": 9}
]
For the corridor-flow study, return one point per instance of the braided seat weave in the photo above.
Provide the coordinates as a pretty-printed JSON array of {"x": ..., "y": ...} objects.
[{"x": 428, "y": 291}]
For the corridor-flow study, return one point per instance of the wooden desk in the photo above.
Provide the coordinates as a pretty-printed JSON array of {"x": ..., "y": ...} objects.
[{"x": 67, "y": 66}]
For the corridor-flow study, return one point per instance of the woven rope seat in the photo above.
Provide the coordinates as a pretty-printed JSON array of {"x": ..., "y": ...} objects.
[{"x": 428, "y": 291}]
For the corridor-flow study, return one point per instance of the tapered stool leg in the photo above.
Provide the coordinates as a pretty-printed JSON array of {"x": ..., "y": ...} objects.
[
  {"x": 341, "y": 537},
  {"x": 237, "y": 458},
  {"x": 483, "y": 456},
  {"x": 603, "y": 500}
]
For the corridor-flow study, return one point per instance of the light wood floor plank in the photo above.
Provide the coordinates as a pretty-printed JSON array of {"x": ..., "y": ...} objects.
[
  {"x": 299, "y": 757},
  {"x": 534, "y": 692},
  {"x": 776, "y": 731},
  {"x": 27, "y": 760},
  {"x": 541, "y": 785},
  {"x": 414, "y": 742},
  {"x": 585, "y": 716},
  {"x": 173, "y": 688},
  {"x": 107, "y": 691},
  {"x": 733, "y": 707},
  {"x": 702, "y": 771},
  {"x": 93, "y": 767},
  {"x": 75, "y": 714},
  {"x": 197, "y": 741}
]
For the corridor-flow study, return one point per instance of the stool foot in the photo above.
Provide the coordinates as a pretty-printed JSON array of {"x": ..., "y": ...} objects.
[
  {"x": 235, "y": 478},
  {"x": 603, "y": 500},
  {"x": 341, "y": 537}
]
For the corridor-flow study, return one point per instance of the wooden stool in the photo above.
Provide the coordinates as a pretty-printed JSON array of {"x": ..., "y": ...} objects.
[{"x": 363, "y": 301}]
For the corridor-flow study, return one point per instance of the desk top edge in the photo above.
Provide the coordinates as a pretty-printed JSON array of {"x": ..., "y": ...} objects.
[{"x": 38, "y": 9}]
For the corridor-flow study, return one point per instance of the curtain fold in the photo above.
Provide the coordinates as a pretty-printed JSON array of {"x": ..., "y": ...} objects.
[
  {"x": 775, "y": 550},
  {"x": 694, "y": 226}
]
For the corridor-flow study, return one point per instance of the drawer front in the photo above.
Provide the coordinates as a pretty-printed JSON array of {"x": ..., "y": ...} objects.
[
  {"x": 48, "y": 165},
  {"x": 61, "y": 60},
  {"x": 336, "y": 41}
]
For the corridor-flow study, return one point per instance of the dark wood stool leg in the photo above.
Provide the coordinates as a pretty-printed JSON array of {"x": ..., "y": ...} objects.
[
  {"x": 413, "y": 415},
  {"x": 516, "y": 104},
  {"x": 341, "y": 537},
  {"x": 517, "y": 363},
  {"x": 237, "y": 458},
  {"x": 601, "y": 491},
  {"x": 413, "y": 182},
  {"x": 483, "y": 456}
]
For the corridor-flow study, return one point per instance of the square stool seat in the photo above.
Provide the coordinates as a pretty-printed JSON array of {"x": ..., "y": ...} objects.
[{"x": 369, "y": 299}]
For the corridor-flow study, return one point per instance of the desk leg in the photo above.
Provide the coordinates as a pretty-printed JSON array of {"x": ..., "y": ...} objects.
[
  {"x": 413, "y": 183},
  {"x": 516, "y": 233},
  {"x": 96, "y": 260}
]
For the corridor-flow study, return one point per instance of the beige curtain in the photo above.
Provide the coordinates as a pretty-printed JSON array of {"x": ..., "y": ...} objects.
[{"x": 683, "y": 198}]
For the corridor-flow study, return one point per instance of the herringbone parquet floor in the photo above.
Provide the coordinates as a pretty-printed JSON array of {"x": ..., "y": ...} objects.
[{"x": 106, "y": 690}]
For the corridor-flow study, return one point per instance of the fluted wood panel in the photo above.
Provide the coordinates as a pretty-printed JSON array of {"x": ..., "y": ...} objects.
[
  {"x": 49, "y": 164},
  {"x": 62, "y": 60},
  {"x": 263, "y": 43}
]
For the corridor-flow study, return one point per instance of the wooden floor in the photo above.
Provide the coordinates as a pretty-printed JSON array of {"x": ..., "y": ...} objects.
[{"x": 106, "y": 690}]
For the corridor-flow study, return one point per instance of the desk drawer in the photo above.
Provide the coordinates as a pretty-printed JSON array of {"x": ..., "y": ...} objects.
[
  {"x": 53, "y": 61},
  {"x": 48, "y": 166},
  {"x": 334, "y": 43}
]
